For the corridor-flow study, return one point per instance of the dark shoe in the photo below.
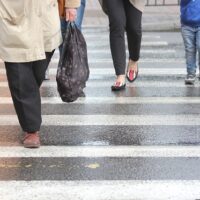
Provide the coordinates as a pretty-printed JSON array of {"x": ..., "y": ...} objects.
[
  {"x": 132, "y": 75},
  {"x": 118, "y": 86},
  {"x": 190, "y": 79},
  {"x": 31, "y": 140}
]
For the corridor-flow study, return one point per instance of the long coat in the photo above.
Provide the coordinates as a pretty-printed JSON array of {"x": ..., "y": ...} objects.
[
  {"x": 28, "y": 29},
  {"x": 139, "y": 4}
]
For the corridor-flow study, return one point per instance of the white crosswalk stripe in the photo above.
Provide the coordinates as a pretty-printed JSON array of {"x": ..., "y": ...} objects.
[
  {"x": 150, "y": 51},
  {"x": 116, "y": 100},
  {"x": 93, "y": 36},
  {"x": 143, "y": 60},
  {"x": 15, "y": 161},
  {"x": 100, "y": 190},
  {"x": 144, "y": 43},
  {"x": 106, "y": 71},
  {"x": 103, "y": 151},
  {"x": 97, "y": 84},
  {"x": 109, "y": 120}
]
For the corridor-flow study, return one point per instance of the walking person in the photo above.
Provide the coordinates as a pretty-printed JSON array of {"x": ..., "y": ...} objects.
[
  {"x": 30, "y": 31},
  {"x": 190, "y": 20},
  {"x": 124, "y": 16}
]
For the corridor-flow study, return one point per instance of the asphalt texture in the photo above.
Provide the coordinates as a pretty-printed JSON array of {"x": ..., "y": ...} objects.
[{"x": 162, "y": 75}]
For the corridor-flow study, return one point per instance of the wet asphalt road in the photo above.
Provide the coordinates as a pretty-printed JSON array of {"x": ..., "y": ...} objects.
[{"x": 159, "y": 91}]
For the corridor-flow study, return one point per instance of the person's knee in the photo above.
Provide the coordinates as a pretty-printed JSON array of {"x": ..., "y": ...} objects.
[
  {"x": 135, "y": 29},
  {"x": 190, "y": 48},
  {"x": 117, "y": 27}
]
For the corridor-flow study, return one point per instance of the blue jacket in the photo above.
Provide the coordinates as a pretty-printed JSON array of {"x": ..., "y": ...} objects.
[{"x": 190, "y": 12}]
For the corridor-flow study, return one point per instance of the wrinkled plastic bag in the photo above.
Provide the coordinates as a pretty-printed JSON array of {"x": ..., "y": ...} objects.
[{"x": 73, "y": 69}]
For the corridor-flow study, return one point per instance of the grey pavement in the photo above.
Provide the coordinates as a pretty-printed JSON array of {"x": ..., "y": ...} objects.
[
  {"x": 155, "y": 18},
  {"x": 111, "y": 169}
]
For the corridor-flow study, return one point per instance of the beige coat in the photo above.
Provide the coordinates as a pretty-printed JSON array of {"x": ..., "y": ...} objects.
[
  {"x": 72, "y": 3},
  {"x": 28, "y": 28},
  {"x": 139, "y": 4}
]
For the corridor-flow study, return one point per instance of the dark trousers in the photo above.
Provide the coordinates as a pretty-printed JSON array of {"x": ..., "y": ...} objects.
[
  {"x": 123, "y": 16},
  {"x": 24, "y": 81}
]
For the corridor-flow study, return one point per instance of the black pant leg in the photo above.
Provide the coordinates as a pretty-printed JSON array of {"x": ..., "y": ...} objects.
[
  {"x": 117, "y": 21},
  {"x": 40, "y": 67},
  {"x": 134, "y": 30},
  {"x": 25, "y": 94}
]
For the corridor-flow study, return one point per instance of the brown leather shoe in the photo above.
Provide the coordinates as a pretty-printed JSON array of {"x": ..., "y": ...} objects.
[{"x": 31, "y": 140}]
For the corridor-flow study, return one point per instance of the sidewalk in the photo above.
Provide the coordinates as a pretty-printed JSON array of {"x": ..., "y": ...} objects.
[{"x": 159, "y": 18}]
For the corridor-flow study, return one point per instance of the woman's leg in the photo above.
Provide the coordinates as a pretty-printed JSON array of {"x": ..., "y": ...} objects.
[
  {"x": 134, "y": 35},
  {"x": 117, "y": 22},
  {"x": 80, "y": 14}
]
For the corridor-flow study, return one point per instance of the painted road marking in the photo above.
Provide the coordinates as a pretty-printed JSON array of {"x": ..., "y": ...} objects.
[
  {"x": 100, "y": 190},
  {"x": 143, "y": 71},
  {"x": 116, "y": 100},
  {"x": 101, "y": 151},
  {"x": 109, "y": 120}
]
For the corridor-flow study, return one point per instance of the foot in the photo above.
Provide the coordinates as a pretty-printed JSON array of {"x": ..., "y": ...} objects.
[
  {"x": 119, "y": 83},
  {"x": 31, "y": 140},
  {"x": 132, "y": 71},
  {"x": 190, "y": 79}
]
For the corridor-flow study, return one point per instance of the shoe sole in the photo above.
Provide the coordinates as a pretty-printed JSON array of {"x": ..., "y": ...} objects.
[
  {"x": 31, "y": 146},
  {"x": 189, "y": 82},
  {"x": 119, "y": 88}
]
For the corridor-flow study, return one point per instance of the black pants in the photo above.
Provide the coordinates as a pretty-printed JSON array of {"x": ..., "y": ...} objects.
[
  {"x": 123, "y": 16},
  {"x": 24, "y": 81}
]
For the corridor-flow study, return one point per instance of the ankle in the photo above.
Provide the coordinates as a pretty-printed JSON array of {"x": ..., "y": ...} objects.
[
  {"x": 132, "y": 65},
  {"x": 120, "y": 78}
]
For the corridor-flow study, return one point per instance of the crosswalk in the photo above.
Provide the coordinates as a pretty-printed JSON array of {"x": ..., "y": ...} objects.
[
  {"x": 141, "y": 143},
  {"x": 88, "y": 190}
]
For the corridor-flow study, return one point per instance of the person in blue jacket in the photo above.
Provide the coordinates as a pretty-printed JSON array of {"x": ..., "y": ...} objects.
[{"x": 190, "y": 21}]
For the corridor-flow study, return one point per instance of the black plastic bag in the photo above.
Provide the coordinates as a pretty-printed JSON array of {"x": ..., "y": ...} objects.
[{"x": 73, "y": 69}]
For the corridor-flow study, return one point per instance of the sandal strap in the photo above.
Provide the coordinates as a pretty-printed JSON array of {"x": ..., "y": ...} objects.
[{"x": 118, "y": 84}]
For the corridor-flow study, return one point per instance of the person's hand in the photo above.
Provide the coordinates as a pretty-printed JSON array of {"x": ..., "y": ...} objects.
[{"x": 71, "y": 14}]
